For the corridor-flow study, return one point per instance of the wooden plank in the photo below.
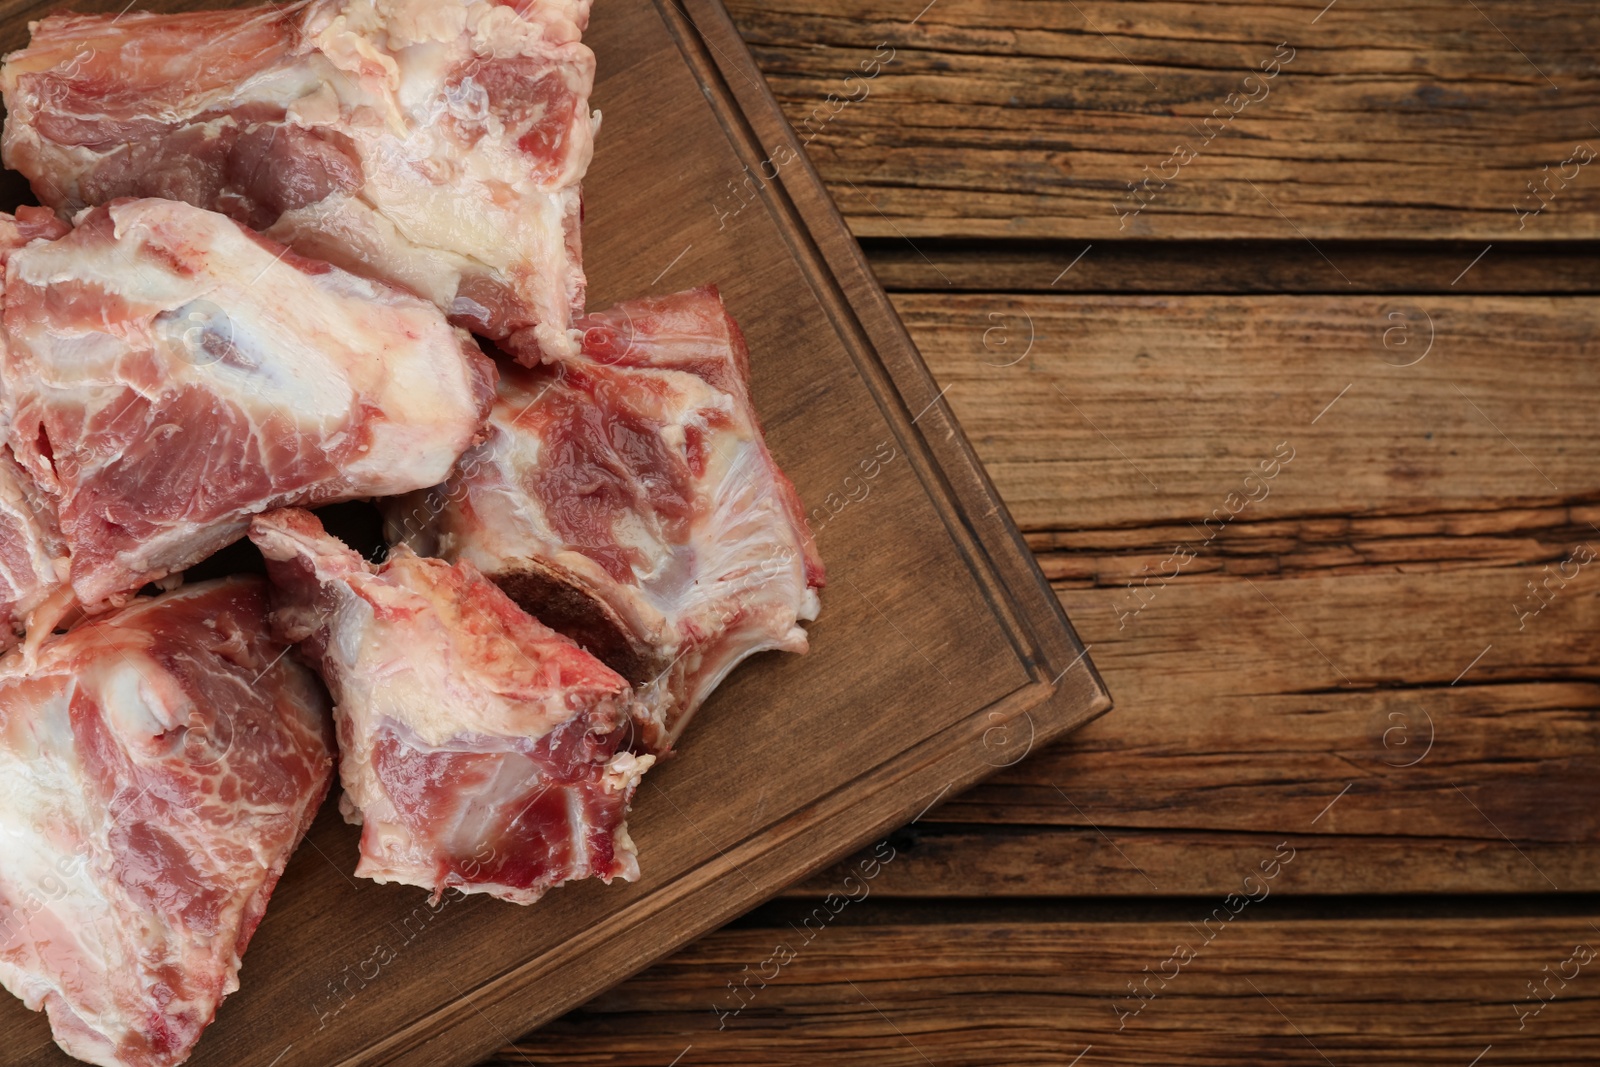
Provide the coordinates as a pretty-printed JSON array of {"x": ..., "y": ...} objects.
[
  {"x": 1128, "y": 411},
  {"x": 1034, "y": 119},
  {"x": 1285, "y": 266},
  {"x": 1302, "y": 648},
  {"x": 1261, "y": 701},
  {"x": 940, "y": 861},
  {"x": 1421, "y": 991},
  {"x": 1258, "y": 720},
  {"x": 347, "y": 972},
  {"x": 1303, "y": 547}
]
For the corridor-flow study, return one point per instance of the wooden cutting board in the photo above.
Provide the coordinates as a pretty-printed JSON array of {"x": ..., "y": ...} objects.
[{"x": 941, "y": 654}]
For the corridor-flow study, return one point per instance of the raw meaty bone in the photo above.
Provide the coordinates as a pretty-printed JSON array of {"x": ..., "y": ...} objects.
[
  {"x": 170, "y": 373},
  {"x": 435, "y": 144},
  {"x": 157, "y": 768},
  {"x": 479, "y": 749},
  {"x": 627, "y": 498},
  {"x": 33, "y": 559}
]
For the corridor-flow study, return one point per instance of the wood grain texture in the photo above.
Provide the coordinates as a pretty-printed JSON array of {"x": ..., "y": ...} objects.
[
  {"x": 1261, "y": 701},
  {"x": 1534, "y": 268},
  {"x": 1314, "y": 636},
  {"x": 1310, "y": 545},
  {"x": 1032, "y": 118},
  {"x": 1421, "y": 991},
  {"x": 791, "y": 762},
  {"x": 1133, "y": 411},
  {"x": 981, "y": 862}
]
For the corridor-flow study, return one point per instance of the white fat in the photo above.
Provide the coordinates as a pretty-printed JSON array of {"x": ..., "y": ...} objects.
[
  {"x": 314, "y": 351},
  {"x": 140, "y": 699},
  {"x": 49, "y": 874},
  {"x": 319, "y": 105},
  {"x": 348, "y": 233},
  {"x": 625, "y": 770},
  {"x": 411, "y": 22}
]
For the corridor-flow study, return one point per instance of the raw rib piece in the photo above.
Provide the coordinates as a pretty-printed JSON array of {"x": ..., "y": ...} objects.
[
  {"x": 435, "y": 144},
  {"x": 33, "y": 559},
  {"x": 157, "y": 768},
  {"x": 479, "y": 749},
  {"x": 28, "y": 224},
  {"x": 627, "y": 498},
  {"x": 171, "y": 373}
]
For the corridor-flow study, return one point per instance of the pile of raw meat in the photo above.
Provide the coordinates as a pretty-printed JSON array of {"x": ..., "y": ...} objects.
[{"x": 268, "y": 239}]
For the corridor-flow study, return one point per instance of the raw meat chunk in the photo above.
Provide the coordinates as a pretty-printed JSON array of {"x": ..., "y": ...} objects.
[
  {"x": 434, "y": 144},
  {"x": 157, "y": 767},
  {"x": 478, "y": 749},
  {"x": 33, "y": 559},
  {"x": 170, "y": 373},
  {"x": 27, "y": 225},
  {"x": 627, "y": 498}
]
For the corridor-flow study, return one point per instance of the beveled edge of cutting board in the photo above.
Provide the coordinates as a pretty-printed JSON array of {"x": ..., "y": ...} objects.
[{"x": 1065, "y": 691}]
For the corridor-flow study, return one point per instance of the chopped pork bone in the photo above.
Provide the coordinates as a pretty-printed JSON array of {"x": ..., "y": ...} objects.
[
  {"x": 157, "y": 768},
  {"x": 479, "y": 749},
  {"x": 434, "y": 144},
  {"x": 33, "y": 560},
  {"x": 627, "y": 498},
  {"x": 169, "y": 373}
]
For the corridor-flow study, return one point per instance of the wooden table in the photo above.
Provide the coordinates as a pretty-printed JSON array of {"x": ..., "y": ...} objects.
[{"x": 1288, "y": 374}]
